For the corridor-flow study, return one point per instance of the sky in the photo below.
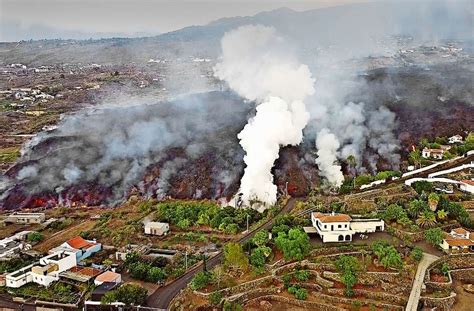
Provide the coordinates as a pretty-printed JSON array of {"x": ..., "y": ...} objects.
[{"x": 74, "y": 19}]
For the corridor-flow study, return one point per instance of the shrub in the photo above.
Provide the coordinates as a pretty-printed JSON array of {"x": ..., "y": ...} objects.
[
  {"x": 417, "y": 253},
  {"x": 301, "y": 294},
  {"x": 200, "y": 280},
  {"x": 302, "y": 275},
  {"x": 35, "y": 237},
  {"x": 129, "y": 294},
  {"x": 215, "y": 298},
  {"x": 434, "y": 236}
]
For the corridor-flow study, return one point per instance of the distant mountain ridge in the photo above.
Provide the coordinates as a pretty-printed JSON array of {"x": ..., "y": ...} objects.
[{"x": 349, "y": 27}]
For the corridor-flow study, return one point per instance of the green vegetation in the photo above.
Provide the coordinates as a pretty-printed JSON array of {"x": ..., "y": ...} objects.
[
  {"x": 387, "y": 255},
  {"x": 35, "y": 237},
  {"x": 348, "y": 267},
  {"x": 200, "y": 280},
  {"x": 129, "y": 294},
  {"x": 234, "y": 257},
  {"x": 416, "y": 253},
  {"x": 184, "y": 214},
  {"x": 422, "y": 186},
  {"x": 231, "y": 306},
  {"x": 445, "y": 269},
  {"x": 143, "y": 270},
  {"x": 295, "y": 245},
  {"x": 365, "y": 178},
  {"x": 56, "y": 292},
  {"x": 302, "y": 275},
  {"x": 215, "y": 298},
  {"x": 14, "y": 264},
  {"x": 434, "y": 236},
  {"x": 300, "y": 293}
]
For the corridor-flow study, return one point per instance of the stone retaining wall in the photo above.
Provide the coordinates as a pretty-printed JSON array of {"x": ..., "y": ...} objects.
[
  {"x": 239, "y": 288},
  {"x": 442, "y": 304},
  {"x": 367, "y": 278},
  {"x": 253, "y": 294},
  {"x": 465, "y": 275},
  {"x": 341, "y": 299},
  {"x": 382, "y": 296},
  {"x": 312, "y": 305}
]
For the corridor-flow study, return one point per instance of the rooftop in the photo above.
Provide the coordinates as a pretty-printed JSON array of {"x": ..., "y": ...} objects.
[
  {"x": 156, "y": 224},
  {"x": 468, "y": 182},
  {"x": 78, "y": 243},
  {"x": 460, "y": 231},
  {"x": 332, "y": 217},
  {"x": 459, "y": 242},
  {"x": 107, "y": 276}
]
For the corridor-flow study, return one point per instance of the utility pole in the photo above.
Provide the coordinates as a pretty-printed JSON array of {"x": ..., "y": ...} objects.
[
  {"x": 186, "y": 259},
  {"x": 286, "y": 188},
  {"x": 248, "y": 223}
]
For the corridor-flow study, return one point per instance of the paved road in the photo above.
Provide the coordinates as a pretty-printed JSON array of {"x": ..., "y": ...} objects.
[
  {"x": 162, "y": 297},
  {"x": 427, "y": 259}
]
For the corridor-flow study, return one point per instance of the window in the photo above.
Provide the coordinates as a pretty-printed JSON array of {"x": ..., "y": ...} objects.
[
  {"x": 325, "y": 226},
  {"x": 339, "y": 226}
]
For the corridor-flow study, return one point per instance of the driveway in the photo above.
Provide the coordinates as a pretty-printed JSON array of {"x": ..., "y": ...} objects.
[{"x": 427, "y": 259}]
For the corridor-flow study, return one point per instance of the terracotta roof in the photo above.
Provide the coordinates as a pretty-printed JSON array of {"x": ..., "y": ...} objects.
[
  {"x": 459, "y": 242},
  {"x": 332, "y": 218},
  {"x": 434, "y": 150},
  {"x": 88, "y": 271},
  {"x": 460, "y": 231},
  {"x": 107, "y": 276},
  {"x": 78, "y": 243},
  {"x": 469, "y": 182}
]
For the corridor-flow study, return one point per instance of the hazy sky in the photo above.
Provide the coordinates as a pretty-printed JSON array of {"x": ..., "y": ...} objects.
[{"x": 25, "y": 19}]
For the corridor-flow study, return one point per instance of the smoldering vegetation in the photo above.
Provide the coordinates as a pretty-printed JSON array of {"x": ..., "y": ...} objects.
[{"x": 113, "y": 148}]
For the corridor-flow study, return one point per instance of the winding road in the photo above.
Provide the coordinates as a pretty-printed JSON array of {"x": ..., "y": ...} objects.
[{"x": 162, "y": 297}]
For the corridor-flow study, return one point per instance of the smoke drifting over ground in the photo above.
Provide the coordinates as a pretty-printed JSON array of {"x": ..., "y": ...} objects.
[
  {"x": 258, "y": 67},
  {"x": 114, "y": 146}
]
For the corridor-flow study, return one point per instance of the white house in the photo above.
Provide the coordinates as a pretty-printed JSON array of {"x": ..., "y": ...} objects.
[
  {"x": 79, "y": 246},
  {"x": 157, "y": 228},
  {"x": 341, "y": 227},
  {"x": 458, "y": 239},
  {"x": 467, "y": 185},
  {"x": 11, "y": 245},
  {"x": 455, "y": 139},
  {"x": 26, "y": 218},
  {"x": 44, "y": 272},
  {"x": 432, "y": 153}
]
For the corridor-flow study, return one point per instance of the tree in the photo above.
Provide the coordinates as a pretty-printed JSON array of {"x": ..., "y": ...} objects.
[
  {"x": 294, "y": 245},
  {"x": 129, "y": 294},
  {"x": 217, "y": 275},
  {"x": 200, "y": 280},
  {"x": 259, "y": 256},
  {"x": 415, "y": 158},
  {"x": 434, "y": 236},
  {"x": 155, "y": 274},
  {"x": 445, "y": 269},
  {"x": 234, "y": 256},
  {"x": 215, "y": 298},
  {"x": 387, "y": 255},
  {"x": 422, "y": 186},
  {"x": 138, "y": 270},
  {"x": 131, "y": 257},
  {"x": 416, "y": 207},
  {"x": 394, "y": 212},
  {"x": 260, "y": 238},
  {"x": 427, "y": 219},
  {"x": 433, "y": 200},
  {"x": 348, "y": 266},
  {"x": 35, "y": 237}
]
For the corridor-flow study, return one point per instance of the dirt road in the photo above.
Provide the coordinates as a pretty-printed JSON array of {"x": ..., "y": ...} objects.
[{"x": 427, "y": 259}]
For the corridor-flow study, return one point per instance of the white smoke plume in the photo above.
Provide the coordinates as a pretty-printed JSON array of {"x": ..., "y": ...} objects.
[
  {"x": 256, "y": 64},
  {"x": 328, "y": 145}
]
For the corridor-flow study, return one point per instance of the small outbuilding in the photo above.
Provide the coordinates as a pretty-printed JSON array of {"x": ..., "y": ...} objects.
[
  {"x": 157, "y": 228},
  {"x": 108, "y": 277}
]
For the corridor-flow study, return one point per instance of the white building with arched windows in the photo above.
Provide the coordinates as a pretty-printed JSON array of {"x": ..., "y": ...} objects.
[{"x": 341, "y": 227}]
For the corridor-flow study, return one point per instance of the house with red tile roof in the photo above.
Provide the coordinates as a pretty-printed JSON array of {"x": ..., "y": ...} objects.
[
  {"x": 81, "y": 247},
  {"x": 458, "y": 239},
  {"x": 341, "y": 227}
]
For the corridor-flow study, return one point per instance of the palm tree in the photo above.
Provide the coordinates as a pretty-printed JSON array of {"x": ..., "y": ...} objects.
[
  {"x": 442, "y": 215},
  {"x": 416, "y": 208},
  {"x": 433, "y": 200},
  {"x": 427, "y": 219}
]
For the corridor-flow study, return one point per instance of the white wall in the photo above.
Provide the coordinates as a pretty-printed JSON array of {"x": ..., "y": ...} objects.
[{"x": 367, "y": 226}]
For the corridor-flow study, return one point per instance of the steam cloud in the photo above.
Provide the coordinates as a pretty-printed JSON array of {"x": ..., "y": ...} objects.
[{"x": 258, "y": 67}]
